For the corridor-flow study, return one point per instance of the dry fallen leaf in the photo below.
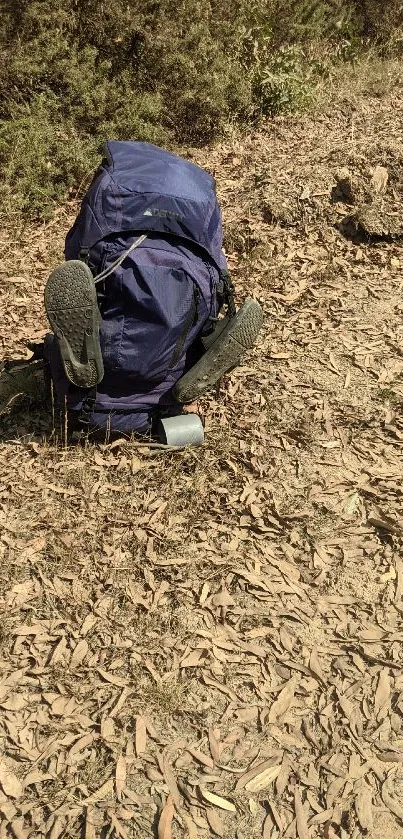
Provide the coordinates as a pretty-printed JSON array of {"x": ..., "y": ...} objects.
[
  {"x": 222, "y": 598},
  {"x": 118, "y": 827},
  {"x": 195, "y": 659},
  {"x": 165, "y": 820},
  {"x": 119, "y": 681},
  {"x": 363, "y": 807},
  {"x": 256, "y": 770},
  {"x": 315, "y": 666},
  {"x": 57, "y": 828},
  {"x": 201, "y": 757},
  {"x": 268, "y": 826},
  {"x": 217, "y": 800},
  {"x": 11, "y": 785},
  {"x": 214, "y": 744},
  {"x": 79, "y": 653},
  {"x": 88, "y": 623},
  {"x": 263, "y": 779},
  {"x": 36, "y": 777},
  {"x": 283, "y": 776},
  {"x": 283, "y": 702},
  {"x": 14, "y": 702},
  {"x": 60, "y": 652},
  {"x": 90, "y": 832},
  {"x": 190, "y": 826},
  {"x": 82, "y": 743},
  {"x": 141, "y": 735},
  {"x": 170, "y": 779},
  {"x": 215, "y": 822},
  {"x": 379, "y": 519},
  {"x": 120, "y": 775},
  {"x": 302, "y": 823},
  {"x": 382, "y": 694},
  {"x": 104, "y": 792}
]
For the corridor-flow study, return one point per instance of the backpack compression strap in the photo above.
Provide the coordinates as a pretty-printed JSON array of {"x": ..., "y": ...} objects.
[{"x": 121, "y": 258}]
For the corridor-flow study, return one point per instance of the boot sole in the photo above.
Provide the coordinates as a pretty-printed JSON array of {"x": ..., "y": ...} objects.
[
  {"x": 225, "y": 353},
  {"x": 72, "y": 310}
]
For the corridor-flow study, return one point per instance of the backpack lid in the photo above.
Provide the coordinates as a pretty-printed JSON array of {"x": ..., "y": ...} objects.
[{"x": 141, "y": 187}]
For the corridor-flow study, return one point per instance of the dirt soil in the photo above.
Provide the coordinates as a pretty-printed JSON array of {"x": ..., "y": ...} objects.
[{"x": 209, "y": 643}]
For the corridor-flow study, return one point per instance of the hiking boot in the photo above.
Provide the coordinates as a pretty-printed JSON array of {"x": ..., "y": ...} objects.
[
  {"x": 72, "y": 310},
  {"x": 225, "y": 353},
  {"x": 19, "y": 378}
]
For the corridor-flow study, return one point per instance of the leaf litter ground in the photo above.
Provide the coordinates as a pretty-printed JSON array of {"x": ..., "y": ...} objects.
[{"x": 209, "y": 643}]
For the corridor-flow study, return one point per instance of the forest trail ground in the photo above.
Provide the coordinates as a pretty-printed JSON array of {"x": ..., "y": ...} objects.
[{"x": 214, "y": 637}]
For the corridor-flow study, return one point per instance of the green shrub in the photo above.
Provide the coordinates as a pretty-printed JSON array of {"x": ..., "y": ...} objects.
[
  {"x": 168, "y": 71},
  {"x": 281, "y": 81},
  {"x": 40, "y": 158}
]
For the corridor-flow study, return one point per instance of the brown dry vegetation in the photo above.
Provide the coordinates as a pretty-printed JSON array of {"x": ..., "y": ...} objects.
[{"x": 224, "y": 621}]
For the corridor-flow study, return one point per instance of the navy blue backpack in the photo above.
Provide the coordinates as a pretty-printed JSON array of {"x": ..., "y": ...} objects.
[{"x": 150, "y": 230}]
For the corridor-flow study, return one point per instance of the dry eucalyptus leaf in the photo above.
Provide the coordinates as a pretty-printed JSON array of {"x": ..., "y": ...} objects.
[
  {"x": 315, "y": 666},
  {"x": 90, "y": 832},
  {"x": 363, "y": 807},
  {"x": 120, "y": 775},
  {"x": 283, "y": 776},
  {"x": 382, "y": 694},
  {"x": 263, "y": 779},
  {"x": 11, "y": 785},
  {"x": 283, "y": 702},
  {"x": 205, "y": 760},
  {"x": 60, "y": 652},
  {"x": 222, "y": 598},
  {"x": 192, "y": 832},
  {"x": 82, "y": 743},
  {"x": 170, "y": 780},
  {"x": 119, "y": 829},
  {"x": 165, "y": 820},
  {"x": 79, "y": 653},
  {"x": 119, "y": 681},
  {"x": 270, "y": 763},
  {"x": 286, "y": 640},
  {"x": 141, "y": 735},
  {"x": 215, "y": 822},
  {"x": 214, "y": 744},
  {"x": 268, "y": 826},
  {"x": 217, "y": 800},
  {"x": 36, "y": 777},
  {"x": 300, "y": 815},
  {"x": 14, "y": 702},
  {"x": 103, "y": 792},
  {"x": 57, "y": 828},
  {"x": 195, "y": 659}
]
